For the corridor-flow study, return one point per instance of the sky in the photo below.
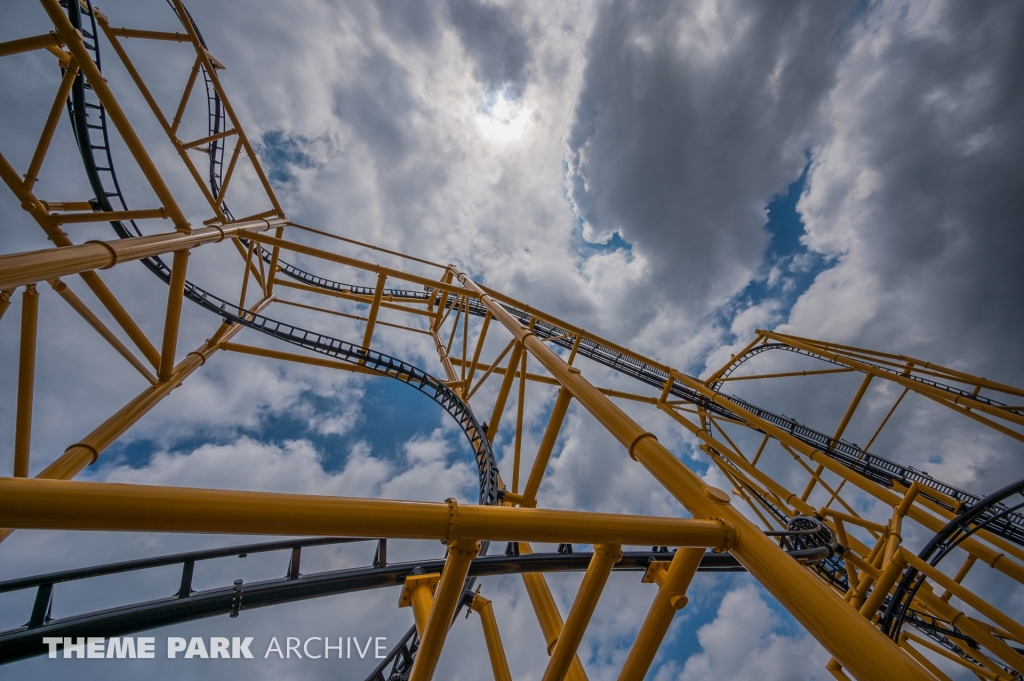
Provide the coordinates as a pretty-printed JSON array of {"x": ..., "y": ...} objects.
[{"x": 671, "y": 176}]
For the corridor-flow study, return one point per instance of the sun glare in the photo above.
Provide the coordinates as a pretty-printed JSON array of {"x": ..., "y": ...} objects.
[{"x": 503, "y": 120}]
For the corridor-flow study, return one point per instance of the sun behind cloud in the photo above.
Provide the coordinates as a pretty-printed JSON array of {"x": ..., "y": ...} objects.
[{"x": 504, "y": 119}]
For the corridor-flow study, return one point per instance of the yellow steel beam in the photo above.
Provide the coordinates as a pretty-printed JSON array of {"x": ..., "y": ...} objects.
[
  {"x": 418, "y": 593},
  {"x": 209, "y": 138},
  {"x": 787, "y": 374},
  {"x": 492, "y": 638},
  {"x": 520, "y": 410},
  {"x": 601, "y": 563},
  {"x": 56, "y": 111},
  {"x": 312, "y": 360},
  {"x": 905, "y": 640},
  {"x": 672, "y": 585},
  {"x": 183, "y": 102},
  {"x": 349, "y": 316},
  {"x": 374, "y": 309},
  {"x": 966, "y": 595},
  {"x": 18, "y": 269},
  {"x": 158, "y": 113},
  {"x": 449, "y": 592},
  {"x": 717, "y": 375},
  {"x": 36, "y": 42},
  {"x": 358, "y": 264},
  {"x": 274, "y": 255},
  {"x": 63, "y": 504},
  {"x": 548, "y": 617},
  {"x": 362, "y": 244},
  {"x": 109, "y": 216},
  {"x": 488, "y": 370},
  {"x": 929, "y": 368},
  {"x": 385, "y": 301},
  {"x": 150, "y": 35},
  {"x": 917, "y": 512},
  {"x": 839, "y": 433},
  {"x": 503, "y": 391},
  {"x": 86, "y": 451},
  {"x": 938, "y": 394},
  {"x": 89, "y": 316},
  {"x": 121, "y": 316},
  {"x": 858, "y": 646},
  {"x": 446, "y": 362},
  {"x": 981, "y": 633},
  {"x": 26, "y": 380},
  {"x": 76, "y": 46},
  {"x": 547, "y": 445},
  {"x": 175, "y": 296}
]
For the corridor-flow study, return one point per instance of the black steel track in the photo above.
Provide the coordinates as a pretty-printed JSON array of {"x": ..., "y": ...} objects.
[{"x": 187, "y": 605}]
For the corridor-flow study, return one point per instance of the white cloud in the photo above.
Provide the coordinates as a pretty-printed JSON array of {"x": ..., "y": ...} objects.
[{"x": 745, "y": 623}]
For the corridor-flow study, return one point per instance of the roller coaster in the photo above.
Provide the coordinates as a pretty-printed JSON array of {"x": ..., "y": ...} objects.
[{"x": 879, "y": 609}]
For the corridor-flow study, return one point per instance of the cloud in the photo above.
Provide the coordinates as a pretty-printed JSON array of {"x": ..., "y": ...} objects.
[
  {"x": 745, "y": 622},
  {"x": 691, "y": 116}
]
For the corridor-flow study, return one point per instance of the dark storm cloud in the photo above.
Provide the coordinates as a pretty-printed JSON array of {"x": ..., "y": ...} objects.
[
  {"x": 492, "y": 38},
  {"x": 943, "y": 129},
  {"x": 689, "y": 121}
]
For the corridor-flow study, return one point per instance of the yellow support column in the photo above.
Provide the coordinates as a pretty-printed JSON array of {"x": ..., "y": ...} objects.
[
  {"x": 449, "y": 590},
  {"x": 503, "y": 391},
  {"x": 605, "y": 557},
  {"x": 495, "y": 650},
  {"x": 371, "y": 318},
  {"x": 672, "y": 579},
  {"x": 419, "y": 594},
  {"x": 547, "y": 445},
  {"x": 175, "y": 295},
  {"x": 548, "y": 617},
  {"x": 26, "y": 380}
]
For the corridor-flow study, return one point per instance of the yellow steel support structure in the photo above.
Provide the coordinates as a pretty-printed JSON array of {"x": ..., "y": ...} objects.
[
  {"x": 840, "y": 630},
  {"x": 672, "y": 581},
  {"x": 495, "y": 649},
  {"x": 461, "y": 552},
  {"x": 842, "y": 612},
  {"x": 26, "y": 380}
]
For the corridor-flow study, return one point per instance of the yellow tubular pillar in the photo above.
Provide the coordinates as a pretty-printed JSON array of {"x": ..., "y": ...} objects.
[
  {"x": 26, "y": 380},
  {"x": 371, "y": 318},
  {"x": 503, "y": 391},
  {"x": 419, "y": 593},
  {"x": 547, "y": 445},
  {"x": 981, "y": 633},
  {"x": 672, "y": 585},
  {"x": 449, "y": 591},
  {"x": 78, "y": 456},
  {"x": 18, "y": 269},
  {"x": 861, "y": 648},
  {"x": 548, "y": 617},
  {"x": 175, "y": 296},
  {"x": 839, "y": 431},
  {"x": 495, "y": 650},
  {"x": 605, "y": 557},
  {"x": 83, "y": 310}
]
